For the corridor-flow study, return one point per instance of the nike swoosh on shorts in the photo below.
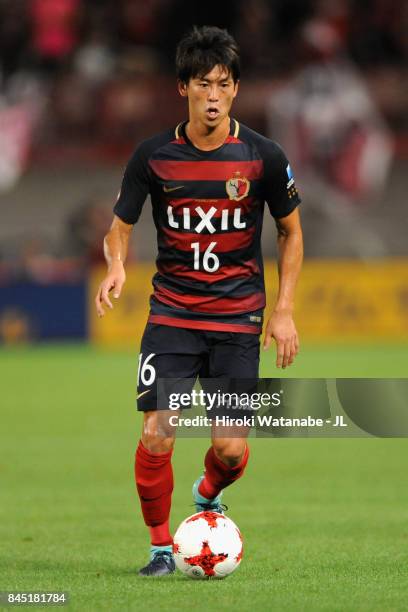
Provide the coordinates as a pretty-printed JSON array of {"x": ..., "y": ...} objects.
[{"x": 143, "y": 393}]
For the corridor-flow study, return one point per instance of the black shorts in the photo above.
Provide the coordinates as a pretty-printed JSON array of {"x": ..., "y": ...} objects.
[{"x": 174, "y": 352}]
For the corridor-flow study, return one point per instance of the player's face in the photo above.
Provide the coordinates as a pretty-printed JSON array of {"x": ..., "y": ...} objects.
[{"x": 210, "y": 97}]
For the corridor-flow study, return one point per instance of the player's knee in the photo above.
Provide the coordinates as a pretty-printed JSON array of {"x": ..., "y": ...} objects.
[
  {"x": 157, "y": 444},
  {"x": 157, "y": 437},
  {"x": 230, "y": 452}
]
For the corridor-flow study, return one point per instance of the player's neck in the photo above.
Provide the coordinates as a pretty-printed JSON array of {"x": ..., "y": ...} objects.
[{"x": 205, "y": 137}]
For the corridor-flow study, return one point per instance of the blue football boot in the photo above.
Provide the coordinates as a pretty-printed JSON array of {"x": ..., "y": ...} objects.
[
  {"x": 203, "y": 504},
  {"x": 161, "y": 564}
]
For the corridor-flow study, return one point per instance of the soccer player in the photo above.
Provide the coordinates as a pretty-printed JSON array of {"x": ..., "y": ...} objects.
[{"x": 208, "y": 179}]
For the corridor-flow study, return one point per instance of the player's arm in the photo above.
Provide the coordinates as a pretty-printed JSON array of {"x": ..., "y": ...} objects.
[
  {"x": 115, "y": 247},
  {"x": 281, "y": 325},
  {"x": 132, "y": 195}
]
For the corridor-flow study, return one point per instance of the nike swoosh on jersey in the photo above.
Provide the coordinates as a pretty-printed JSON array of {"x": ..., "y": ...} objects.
[
  {"x": 143, "y": 393},
  {"x": 167, "y": 189}
]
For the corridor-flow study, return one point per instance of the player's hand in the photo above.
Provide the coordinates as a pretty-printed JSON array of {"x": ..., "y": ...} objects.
[
  {"x": 114, "y": 280},
  {"x": 282, "y": 328}
]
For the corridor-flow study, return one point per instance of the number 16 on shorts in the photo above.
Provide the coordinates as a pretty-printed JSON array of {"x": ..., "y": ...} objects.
[{"x": 146, "y": 373}]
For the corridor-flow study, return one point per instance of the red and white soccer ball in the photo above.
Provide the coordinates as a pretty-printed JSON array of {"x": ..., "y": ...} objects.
[{"x": 207, "y": 545}]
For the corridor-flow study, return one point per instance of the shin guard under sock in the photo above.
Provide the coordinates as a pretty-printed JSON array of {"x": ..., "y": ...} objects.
[{"x": 154, "y": 482}]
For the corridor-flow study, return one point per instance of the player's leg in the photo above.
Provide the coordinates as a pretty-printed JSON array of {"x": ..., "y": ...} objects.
[
  {"x": 166, "y": 352},
  {"x": 225, "y": 462},
  {"x": 154, "y": 482},
  {"x": 233, "y": 356}
]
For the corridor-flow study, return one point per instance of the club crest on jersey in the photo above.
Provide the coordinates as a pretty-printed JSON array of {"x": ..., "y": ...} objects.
[{"x": 237, "y": 187}]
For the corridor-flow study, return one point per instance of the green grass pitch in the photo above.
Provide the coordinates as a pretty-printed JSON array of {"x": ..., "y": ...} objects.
[{"x": 325, "y": 522}]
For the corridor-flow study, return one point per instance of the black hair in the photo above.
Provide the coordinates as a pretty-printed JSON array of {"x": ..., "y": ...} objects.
[{"x": 202, "y": 49}]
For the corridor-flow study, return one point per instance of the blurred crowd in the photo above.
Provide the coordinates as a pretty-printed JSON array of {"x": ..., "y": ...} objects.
[
  {"x": 87, "y": 79},
  {"x": 105, "y": 67},
  {"x": 37, "y": 257}
]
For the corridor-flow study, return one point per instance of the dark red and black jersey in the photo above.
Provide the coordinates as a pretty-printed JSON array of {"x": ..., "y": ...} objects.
[{"x": 208, "y": 210}]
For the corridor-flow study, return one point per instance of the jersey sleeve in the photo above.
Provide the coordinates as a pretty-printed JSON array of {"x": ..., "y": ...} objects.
[
  {"x": 135, "y": 187},
  {"x": 281, "y": 194}
]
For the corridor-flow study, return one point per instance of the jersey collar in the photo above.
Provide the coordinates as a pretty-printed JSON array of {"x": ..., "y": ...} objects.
[{"x": 180, "y": 131}]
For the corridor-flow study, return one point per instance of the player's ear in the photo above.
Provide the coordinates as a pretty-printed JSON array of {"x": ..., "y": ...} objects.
[
  {"x": 182, "y": 88},
  {"x": 236, "y": 84}
]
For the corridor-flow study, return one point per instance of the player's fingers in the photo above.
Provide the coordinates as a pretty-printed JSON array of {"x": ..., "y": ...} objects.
[
  {"x": 105, "y": 296},
  {"x": 293, "y": 352},
  {"x": 99, "y": 307},
  {"x": 117, "y": 290},
  {"x": 286, "y": 354},
  {"x": 280, "y": 353},
  {"x": 267, "y": 341}
]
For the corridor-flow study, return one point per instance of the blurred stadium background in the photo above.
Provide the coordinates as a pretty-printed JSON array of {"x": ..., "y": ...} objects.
[{"x": 81, "y": 83}]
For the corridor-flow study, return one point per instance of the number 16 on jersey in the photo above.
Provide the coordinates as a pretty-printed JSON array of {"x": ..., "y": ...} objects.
[{"x": 211, "y": 263}]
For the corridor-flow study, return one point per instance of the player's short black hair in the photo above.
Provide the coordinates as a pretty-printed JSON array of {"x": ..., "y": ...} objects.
[{"x": 202, "y": 49}]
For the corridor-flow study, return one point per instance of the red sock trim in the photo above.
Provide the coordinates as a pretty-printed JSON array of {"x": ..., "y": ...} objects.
[
  {"x": 152, "y": 456},
  {"x": 236, "y": 468}
]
